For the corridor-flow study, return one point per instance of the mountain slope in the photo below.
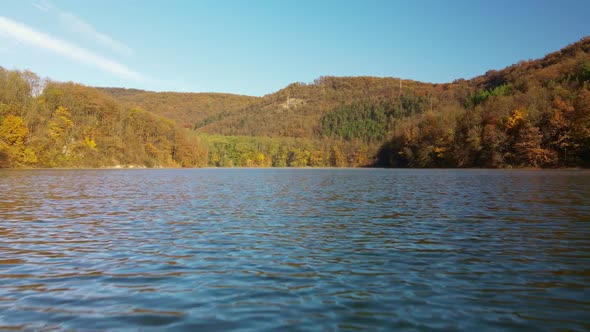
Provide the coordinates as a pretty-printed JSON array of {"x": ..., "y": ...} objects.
[
  {"x": 296, "y": 110},
  {"x": 185, "y": 108}
]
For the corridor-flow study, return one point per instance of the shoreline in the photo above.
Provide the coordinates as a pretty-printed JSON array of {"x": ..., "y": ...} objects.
[{"x": 134, "y": 167}]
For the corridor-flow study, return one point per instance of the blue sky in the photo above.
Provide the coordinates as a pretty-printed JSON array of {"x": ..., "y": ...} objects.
[{"x": 256, "y": 47}]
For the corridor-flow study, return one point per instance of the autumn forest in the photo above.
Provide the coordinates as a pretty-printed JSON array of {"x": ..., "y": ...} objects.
[{"x": 535, "y": 113}]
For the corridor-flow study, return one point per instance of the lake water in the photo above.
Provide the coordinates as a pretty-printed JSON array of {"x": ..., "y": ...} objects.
[{"x": 295, "y": 249}]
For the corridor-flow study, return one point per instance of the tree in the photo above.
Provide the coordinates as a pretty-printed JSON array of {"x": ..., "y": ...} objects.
[
  {"x": 60, "y": 125},
  {"x": 336, "y": 157},
  {"x": 493, "y": 143},
  {"x": 560, "y": 129},
  {"x": 529, "y": 151},
  {"x": 581, "y": 125},
  {"x": 13, "y": 137},
  {"x": 466, "y": 147}
]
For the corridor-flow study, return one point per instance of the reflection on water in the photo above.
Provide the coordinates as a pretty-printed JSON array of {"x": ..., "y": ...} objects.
[{"x": 294, "y": 249}]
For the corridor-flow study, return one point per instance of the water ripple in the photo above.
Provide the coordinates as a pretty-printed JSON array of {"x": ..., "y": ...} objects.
[{"x": 286, "y": 249}]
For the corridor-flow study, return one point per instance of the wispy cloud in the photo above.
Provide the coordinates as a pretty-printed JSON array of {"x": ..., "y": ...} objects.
[
  {"x": 42, "y": 5},
  {"x": 81, "y": 27},
  {"x": 27, "y": 35}
]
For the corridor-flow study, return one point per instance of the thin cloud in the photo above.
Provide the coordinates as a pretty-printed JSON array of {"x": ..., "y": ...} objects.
[
  {"x": 81, "y": 27},
  {"x": 26, "y": 35},
  {"x": 42, "y": 5}
]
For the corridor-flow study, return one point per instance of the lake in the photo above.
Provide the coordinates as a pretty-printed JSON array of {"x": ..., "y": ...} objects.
[{"x": 295, "y": 249}]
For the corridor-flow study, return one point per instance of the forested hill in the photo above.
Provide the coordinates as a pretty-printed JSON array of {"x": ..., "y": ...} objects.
[
  {"x": 367, "y": 108},
  {"x": 532, "y": 114},
  {"x": 294, "y": 111},
  {"x": 186, "y": 109},
  {"x": 298, "y": 109},
  {"x": 535, "y": 113},
  {"x": 50, "y": 124}
]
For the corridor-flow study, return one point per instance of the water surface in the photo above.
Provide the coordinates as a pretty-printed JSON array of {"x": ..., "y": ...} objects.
[{"x": 294, "y": 249}]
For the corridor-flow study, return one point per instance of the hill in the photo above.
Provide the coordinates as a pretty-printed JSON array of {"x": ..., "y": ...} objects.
[
  {"x": 532, "y": 114},
  {"x": 186, "y": 109},
  {"x": 297, "y": 110},
  {"x": 51, "y": 124},
  {"x": 535, "y": 113}
]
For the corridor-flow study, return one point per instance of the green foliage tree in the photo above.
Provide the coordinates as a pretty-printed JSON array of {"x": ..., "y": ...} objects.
[{"x": 365, "y": 120}]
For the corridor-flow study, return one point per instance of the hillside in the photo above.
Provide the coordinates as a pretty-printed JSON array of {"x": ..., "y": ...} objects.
[
  {"x": 300, "y": 106},
  {"x": 186, "y": 109},
  {"x": 294, "y": 111},
  {"x": 50, "y": 124},
  {"x": 535, "y": 113}
]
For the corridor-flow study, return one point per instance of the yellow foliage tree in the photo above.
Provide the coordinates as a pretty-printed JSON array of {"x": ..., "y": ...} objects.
[
  {"x": 13, "y": 130},
  {"x": 260, "y": 159},
  {"x": 13, "y": 136},
  {"x": 515, "y": 119},
  {"x": 90, "y": 142},
  {"x": 60, "y": 124}
]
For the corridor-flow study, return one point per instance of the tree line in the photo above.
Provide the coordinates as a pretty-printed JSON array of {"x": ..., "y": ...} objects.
[{"x": 251, "y": 151}]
